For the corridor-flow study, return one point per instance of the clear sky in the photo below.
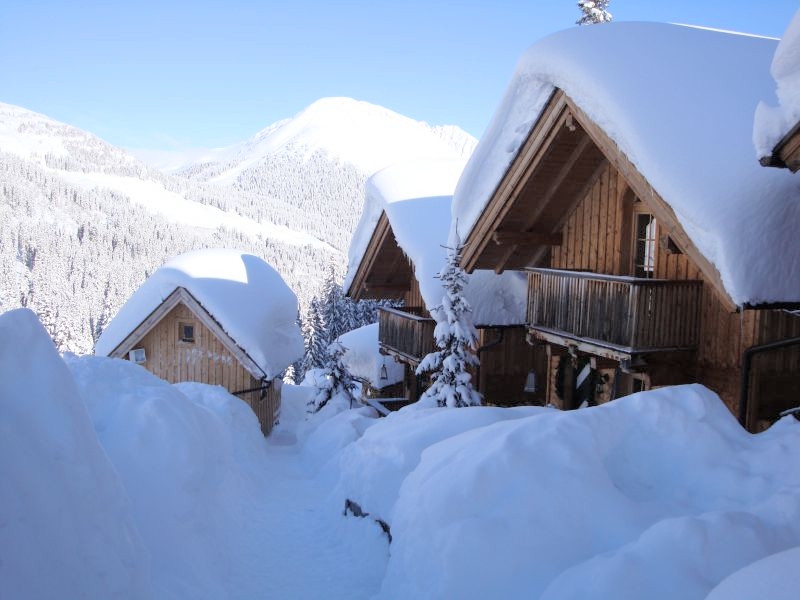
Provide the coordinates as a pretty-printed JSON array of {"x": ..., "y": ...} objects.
[{"x": 172, "y": 75}]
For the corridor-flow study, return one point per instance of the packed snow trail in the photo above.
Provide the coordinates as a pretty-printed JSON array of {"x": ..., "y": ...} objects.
[{"x": 299, "y": 545}]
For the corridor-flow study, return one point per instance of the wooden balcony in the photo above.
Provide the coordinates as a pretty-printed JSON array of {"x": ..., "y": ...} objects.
[
  {"x": 615, "y": 316},
  {"x": 405, "y": 334}
]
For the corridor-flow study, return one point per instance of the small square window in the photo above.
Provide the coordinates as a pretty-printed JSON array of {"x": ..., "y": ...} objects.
[{"x": 186, "y": 332}]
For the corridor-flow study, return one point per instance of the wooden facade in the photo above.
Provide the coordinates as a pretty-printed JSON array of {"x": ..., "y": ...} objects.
[
  {"x": 406, "y": 334},
  {"x": 786, "y": 153},
  {"x": 182, "y": 342},
  {"x": 616, "y": 283}
]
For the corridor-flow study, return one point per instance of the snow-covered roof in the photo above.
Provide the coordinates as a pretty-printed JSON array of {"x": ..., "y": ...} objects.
[
  {"x": 772, "y": 121},
  {"x": 364, "y": 360},
  {"x": 416, "y": 197},
  {"x": 679, "y": 102},
  {"x": 245, "y": 295}
]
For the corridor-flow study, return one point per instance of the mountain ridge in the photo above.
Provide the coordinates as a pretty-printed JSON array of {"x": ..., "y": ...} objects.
[{"x": 81, "y": 218}]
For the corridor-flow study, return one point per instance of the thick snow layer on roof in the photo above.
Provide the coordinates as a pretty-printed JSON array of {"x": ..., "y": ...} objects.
[
  {"x": 773, "y": 122},
  {"x": 679, "y": 103},
  {"x": 416, "y": 198},
  {"x": 240, "y": 291},
  {"x": 364, "y": 360}
]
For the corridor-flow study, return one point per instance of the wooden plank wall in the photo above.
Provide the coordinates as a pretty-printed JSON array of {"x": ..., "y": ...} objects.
[
  {"x": 206, "y": 360},
  {"x": 504, "y": 367},
  {"x": 265, "y": 405},
  {"x": 413, "y": 297},
  {"x": 598, "y": 236}
]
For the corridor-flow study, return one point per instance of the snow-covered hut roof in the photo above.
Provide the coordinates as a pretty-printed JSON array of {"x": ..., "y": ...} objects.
[
  {"x": 679, "y": 102},
  {"x": 246, "y": 296},
  {"x": 416, "y": 198},
  {"x": 773, "y": 122},
  {"x": 364, "y": 360}
]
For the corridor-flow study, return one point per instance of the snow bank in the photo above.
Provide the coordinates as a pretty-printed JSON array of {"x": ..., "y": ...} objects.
[
  {"x": 190, "y": 459},
  {"x": 363, "y": 359},
  {"x": 66, "y": 525},
  {"x": 638, "y": 498},
  {"x": 246, "y": 296},
  {"x": 681, "y": 109},
  {"x": 373, "y": 467},
  {"x": 416, "y": 198},
  {"x": 773, "y": 122}
]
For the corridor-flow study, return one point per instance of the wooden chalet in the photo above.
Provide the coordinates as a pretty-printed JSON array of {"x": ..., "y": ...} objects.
[
  {"x": 620, "y": 297},
  {"x": 393, "y": 270},
  {"x": 181, "y": 340}
]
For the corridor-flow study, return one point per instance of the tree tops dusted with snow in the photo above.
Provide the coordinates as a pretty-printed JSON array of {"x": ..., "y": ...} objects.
[
  {"x": 335, "y": 382},
  {"x": 594, "y": 11},
  {"x": 456, "y": 338}
]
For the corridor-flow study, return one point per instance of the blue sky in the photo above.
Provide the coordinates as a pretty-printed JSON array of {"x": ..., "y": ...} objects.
[{"x": 174, "y": 75}]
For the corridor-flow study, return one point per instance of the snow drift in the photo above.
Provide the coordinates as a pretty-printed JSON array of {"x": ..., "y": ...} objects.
[{"x": 67, "y": 528}]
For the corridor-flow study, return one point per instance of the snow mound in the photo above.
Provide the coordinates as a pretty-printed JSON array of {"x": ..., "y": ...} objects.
[
  {"x": 67, "y": 528},
  {"x": 190, "y": 458},
  {"x": 373, "y": 468},
  {"x": 246, "y": 296},
  {"x": 653, "y": 493},
  {"x": 775, "y": 577},
  {"x": 681, "y": 109}
]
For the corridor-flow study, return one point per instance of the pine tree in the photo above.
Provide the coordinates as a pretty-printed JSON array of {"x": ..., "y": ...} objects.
[
  {"x": 338, "y": 383},
  {"x": 456, "y": 338},
  {"x": 594, "y": 11}
]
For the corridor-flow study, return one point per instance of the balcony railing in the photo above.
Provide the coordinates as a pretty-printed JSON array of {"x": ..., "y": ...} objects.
[
  {"x": 405, "y": 333},
  {"x": 623, "y": 313}
]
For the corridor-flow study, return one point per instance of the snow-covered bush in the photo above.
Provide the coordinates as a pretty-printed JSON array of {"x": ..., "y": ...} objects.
[{"x": 335, "y": 381}]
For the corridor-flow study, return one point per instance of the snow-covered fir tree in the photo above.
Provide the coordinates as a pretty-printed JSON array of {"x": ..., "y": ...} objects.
[
  {"x": 334, "y": 382},
  {"x": 329, "y": 315},
  {"x": 594, "y": 11},
  {"x": 456, "y": 338}
]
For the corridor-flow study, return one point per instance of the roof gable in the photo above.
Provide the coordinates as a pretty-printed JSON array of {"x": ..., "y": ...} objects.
[
  {"x": 183, "y": 296},
  {"x": 680, "y": 110}
]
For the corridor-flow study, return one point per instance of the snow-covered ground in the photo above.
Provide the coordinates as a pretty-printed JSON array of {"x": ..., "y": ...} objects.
[{"x": 119, "y": 485}]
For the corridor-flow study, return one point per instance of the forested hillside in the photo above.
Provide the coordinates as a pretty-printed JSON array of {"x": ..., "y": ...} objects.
[{"x": 82, "y": 223}]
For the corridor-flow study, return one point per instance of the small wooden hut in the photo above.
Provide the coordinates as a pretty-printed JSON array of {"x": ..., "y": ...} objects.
[{"x": 213, "y": 316}]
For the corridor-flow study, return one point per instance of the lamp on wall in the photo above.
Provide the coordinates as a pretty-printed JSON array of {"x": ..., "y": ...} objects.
[
  {"x": 384, "y": 374},
  {"x": 530, "y": 382}
]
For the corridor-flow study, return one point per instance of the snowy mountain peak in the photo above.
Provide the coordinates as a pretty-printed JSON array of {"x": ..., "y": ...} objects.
[{"x": 365, "y": 135}]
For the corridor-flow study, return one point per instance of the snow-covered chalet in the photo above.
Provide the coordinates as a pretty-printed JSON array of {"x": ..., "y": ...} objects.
[
  {"x": 619, "y": 174},
  {"x": 220, "y": 317},
  {"x": 396, "y": 253}
]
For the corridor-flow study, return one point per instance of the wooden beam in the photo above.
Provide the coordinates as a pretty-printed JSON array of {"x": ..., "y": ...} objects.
[
  {"x": 527, "y": 238},
  {"x": 517, "y": 175},
  {"x": 370, "y": 286},
  {"x": 566, "y": 169},
  {"x": 541, "y": 203}
]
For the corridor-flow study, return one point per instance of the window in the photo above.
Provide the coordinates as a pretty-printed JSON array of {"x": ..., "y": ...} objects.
[
  {"x": 644, "y": 256},
  {"x": 186, "y": 332}
]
